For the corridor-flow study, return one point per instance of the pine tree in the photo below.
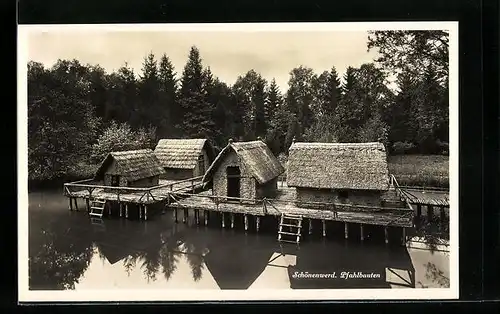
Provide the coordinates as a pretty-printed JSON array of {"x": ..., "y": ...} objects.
[
  {"x": 168, "y": 97},
  {"x": 195, "y": 112},
  {"x": 150, "y": 111}
]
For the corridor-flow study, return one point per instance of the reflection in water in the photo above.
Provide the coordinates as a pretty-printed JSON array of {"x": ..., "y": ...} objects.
[{"x": 67, "y": 251}]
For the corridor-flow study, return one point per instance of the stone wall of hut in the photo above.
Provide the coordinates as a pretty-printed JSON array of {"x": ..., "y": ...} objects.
[
  {"x": 247, "y": 182},
  {"x": 354, "y": 197},
  {"x": 267, "y": 189},
  {"x": 177, "y": 174}
]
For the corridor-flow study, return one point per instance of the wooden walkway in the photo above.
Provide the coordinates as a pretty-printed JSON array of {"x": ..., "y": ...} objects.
[
  {"x": 426, "y": 198},
  {"x": 87, "y": 189},
  {"x": 284, "y": 203}
]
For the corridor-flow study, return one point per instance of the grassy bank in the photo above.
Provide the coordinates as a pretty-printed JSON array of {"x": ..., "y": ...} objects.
[{"x": 420, "y": 170}]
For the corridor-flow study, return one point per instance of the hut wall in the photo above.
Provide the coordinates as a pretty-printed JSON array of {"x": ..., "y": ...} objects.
[
  {"x": 199, "y": 172},
  {"x": 354, "y": 197},
  {"x": 247, "y": 182},
  {"x": 267, "y": 189},
  {"x": 177, "y": 174},
  {"x": 146, "y": 182}
]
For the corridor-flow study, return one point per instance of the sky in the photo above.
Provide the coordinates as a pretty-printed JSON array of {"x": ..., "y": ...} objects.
[{"x": 229, "y": 54}]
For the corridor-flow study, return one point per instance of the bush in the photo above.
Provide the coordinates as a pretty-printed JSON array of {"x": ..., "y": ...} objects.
[
  {"x": 400, "y": 148},
  {"x": 120, "y": 137}
]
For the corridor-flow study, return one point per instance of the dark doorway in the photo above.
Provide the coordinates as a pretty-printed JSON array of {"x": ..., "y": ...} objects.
[
  {"x": 233, "y": 181},
  {"x": 201, "y": 165},
  {"x": 115, "y": 180}
]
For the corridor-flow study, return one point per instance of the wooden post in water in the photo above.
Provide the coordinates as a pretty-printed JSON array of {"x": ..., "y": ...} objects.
[
  {"x": 184, "y": 216},
  {"x": 175, "y": 215},
  {"x": 197, "y": 216},
  {"x": 109, "y": 209},
  {"x": 404, "y": 236},
  {"x": 362, "y": 236},
  {"x": 245, "y": 218},
  {"x": 257, "y": 223},
  {"x": 70, "y": 203},
  {"x": 145, "y": 212},
  {"x": 121, "y": 209},
  {"x": 232, "y": 220},
  {"x": 323, "y": 222},
  {"x": 419, "y": 210},
  {"x": 76, "y": 204},
  {"x": 310, "y": 226},
  {"x": 223, "y": 222},
  {"x": 205, "y": 214},
  {"x": 386, "y": 235},
  {"x": 430, "y": 212},
  {"x": 346, "y": 230},
  {"x": 126, "y": 210},
  {"x": 87, "y": 203}
]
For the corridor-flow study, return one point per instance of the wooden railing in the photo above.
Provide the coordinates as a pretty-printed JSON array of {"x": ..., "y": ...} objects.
[
  {"x": 401, "y": 193},
  {"x": 69, "y": 188}
]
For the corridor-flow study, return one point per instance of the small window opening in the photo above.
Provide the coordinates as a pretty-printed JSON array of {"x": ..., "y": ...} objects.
[{"x": 343, "y": 195}]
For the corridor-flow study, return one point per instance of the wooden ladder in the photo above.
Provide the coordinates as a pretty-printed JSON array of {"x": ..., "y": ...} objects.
[
  {"x": 293, "y": 222},
  {"x": 97, "y": 208}
]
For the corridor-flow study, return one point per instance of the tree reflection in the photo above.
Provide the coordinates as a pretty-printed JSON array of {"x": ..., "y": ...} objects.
[
  {"x": 58, "y": 260},
  {"x": 163, "y": 255},
  {"x": 436, "y": 275}
]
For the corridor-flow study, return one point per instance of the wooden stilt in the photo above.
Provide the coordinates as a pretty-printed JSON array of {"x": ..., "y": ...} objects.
[
  {"x": 140, "y": 211},
  {"x": 175, "y": 215},
  {"x": 87, "y": 203},
  {"x": 346, "y": 230},
  {"x": 205, "y": 214},
  {"x": 109, "y": 209},
  {"x": 126, "y": 210},
  {"x": 145, "y": 212},
  {"x": 310, "y": 226},
  {"x": 404, "y": 236},
  {"x": 70, "y": 203},
  {"x": 121, "y": 209},
  {"x": 197, "y": 214},
  {"x": 257, "y": 223},
  {"x": 386, "y": 235},
  {"x": 232, "y": 220},
  {"x": 361, "y": 232},
  {"x": 323, "y": 222},
  {"x": 223, "y": 222},
  {"x": 76, "y": 204},
  {"x": 419, "y": 210},
  {"x": 430, "y": 212},
  {"x": 185, "y": 216},
  {"x": 245, "y": 217}
]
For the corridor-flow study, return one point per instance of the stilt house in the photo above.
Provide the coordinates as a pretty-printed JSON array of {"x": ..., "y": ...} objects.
[
  {"x": 246, "y": 170},
  {"x": 341, "y": 173},
  {"x": 184, "y": 158},
  {"x": 136, "y": 168}
]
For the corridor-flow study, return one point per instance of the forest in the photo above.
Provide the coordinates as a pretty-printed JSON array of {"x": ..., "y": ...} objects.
[{"x": 77, "y": 113}]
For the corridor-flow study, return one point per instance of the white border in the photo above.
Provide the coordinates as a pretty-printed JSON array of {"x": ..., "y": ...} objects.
[{"x": 25, "y": 295}]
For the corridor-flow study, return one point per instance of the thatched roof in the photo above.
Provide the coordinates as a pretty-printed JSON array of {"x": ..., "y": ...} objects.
[
  {"x": 182, "y": 153},
  {"x": 133, "y": 165},
  {"x": 355, "y": 166},
  {"x": 257, "y": 158}
]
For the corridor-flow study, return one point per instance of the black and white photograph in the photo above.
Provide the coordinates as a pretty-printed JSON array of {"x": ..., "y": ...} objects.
[{"x": 284, "y": 161}]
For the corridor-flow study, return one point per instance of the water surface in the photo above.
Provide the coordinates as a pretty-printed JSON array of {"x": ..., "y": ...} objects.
[{"x": 68, "y": 251}]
